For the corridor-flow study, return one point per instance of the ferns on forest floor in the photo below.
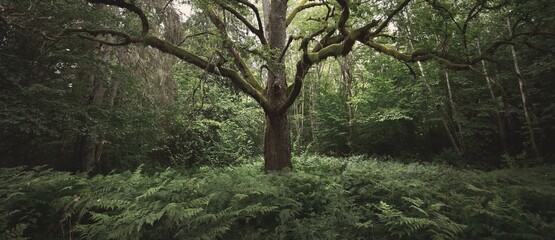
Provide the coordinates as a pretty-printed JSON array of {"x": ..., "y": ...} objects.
[{"x": 323, "y": 198}]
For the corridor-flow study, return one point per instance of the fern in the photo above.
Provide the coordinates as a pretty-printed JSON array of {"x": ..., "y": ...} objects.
[{"x": 324, "y": 198}]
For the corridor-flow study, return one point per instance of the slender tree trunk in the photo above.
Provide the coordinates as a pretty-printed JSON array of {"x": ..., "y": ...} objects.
[
  {"x": 277, "y": 138},
  {"x": 313, "y": 107},
  {"x": 303, "y": 107},
  {"x": 524, "y": 95},
  {"x": 347, "y": 77},
  {"x": 299, "y": 121},
  {"x": 102, "y": 138},
  {"x": 443, "y": 120},
  {"x": 299, "y": 108},
  {"x": 498, "y": 119},
  {"x": 454, "y": 112}
]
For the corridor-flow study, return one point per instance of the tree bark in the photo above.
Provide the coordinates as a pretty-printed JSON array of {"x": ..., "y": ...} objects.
[
  {"x": 277, "y": 139},
  {"x": 524, "y": 95},
  {"x": 277, "y": 143}
]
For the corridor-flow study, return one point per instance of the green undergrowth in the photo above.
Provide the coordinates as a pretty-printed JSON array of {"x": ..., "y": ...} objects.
[{"x": 322, "y": 198}]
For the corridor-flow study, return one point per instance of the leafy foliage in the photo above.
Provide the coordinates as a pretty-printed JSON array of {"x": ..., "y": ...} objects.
[{"x": 324, "y": 198}]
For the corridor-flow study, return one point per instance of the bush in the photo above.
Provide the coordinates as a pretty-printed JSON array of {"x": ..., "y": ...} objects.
[{"x": 323, "y": 198}]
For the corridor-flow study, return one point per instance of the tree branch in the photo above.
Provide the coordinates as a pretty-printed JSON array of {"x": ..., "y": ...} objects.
[
  {"x": 167, "y": 5},
  {"x": 258, "y": 32},
  {"x": 291, "y": 38},
  {"x": 237, "y": 59},
  {"x": 302, "y": 6},
  {"x": 420, "y": 55},
  {"x": 129, "y": 6},
  {"x": 345, "y": 13},
  {"x": 301, "y": 70},
  {"x": 390, "y": 16},
  {"x": 256, "y": 14},
  {"x": 329, "y": 47},
  {"x": 191, "y": 58},
  {"x": 193, "y": 35},
  {"x": 127, "y": 39},
  {"x": 248, "y": 85}
]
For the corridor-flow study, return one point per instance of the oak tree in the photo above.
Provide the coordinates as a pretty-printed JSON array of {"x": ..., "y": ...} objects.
[{"x": 338, "y": 25}]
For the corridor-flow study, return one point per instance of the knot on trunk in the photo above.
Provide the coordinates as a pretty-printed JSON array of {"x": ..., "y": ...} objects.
[{"x": 276, "y": 89}]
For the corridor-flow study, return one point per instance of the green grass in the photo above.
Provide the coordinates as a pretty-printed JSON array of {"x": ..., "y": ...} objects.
[{"x": 322, "y": 198}]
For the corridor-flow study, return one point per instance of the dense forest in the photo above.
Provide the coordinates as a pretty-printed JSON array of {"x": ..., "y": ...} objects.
[{"x": 277, "y": 119}]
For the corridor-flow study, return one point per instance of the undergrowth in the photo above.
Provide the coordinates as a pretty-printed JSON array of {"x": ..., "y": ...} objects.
[{"x": 323, "y": 198}]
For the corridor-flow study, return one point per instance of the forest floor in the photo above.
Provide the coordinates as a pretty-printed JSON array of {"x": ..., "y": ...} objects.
[{"x": 322, "y": 198}]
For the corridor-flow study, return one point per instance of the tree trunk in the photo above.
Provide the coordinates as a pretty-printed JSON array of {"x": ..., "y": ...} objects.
[
  {"x": 524, "y": 96},
  {"x": 347, "y": 77},
  {"x": 277, "y": 139},
  {"x": 277, "y": 143},
  {"x": 498, "y": 119},
  {"x": 500, "y": 124},
  {"x": 444, "y": 119},
  {"x": 443, "y": 111},
  {"x": 102, "y": 137},
  {"x": 299, "y": 112},
  {"x": 454, "y": 112},
  {"x": 86, "y": 146}
]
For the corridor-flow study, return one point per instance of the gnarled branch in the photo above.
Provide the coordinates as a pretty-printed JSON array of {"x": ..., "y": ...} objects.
[
  {"x": 237, "y": 59},
  {"x": 258, "y": 32},
  {"x": 302, "y": 6},
  {"x": 390, "y": 16},
  {"x": 420, "y": 55},
  {"x": 129, "y": 6},
  {"x": 256, "y": 14},
  {"x": 202, "y": 63},
  {"x": 345, "y": 13}
]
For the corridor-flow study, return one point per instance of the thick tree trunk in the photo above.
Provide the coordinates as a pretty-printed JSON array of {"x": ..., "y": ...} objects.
[
  {"x": 277, "y": 144},
  {"x": 86, "y": 146},
  {"x": 277, "y": 139}
]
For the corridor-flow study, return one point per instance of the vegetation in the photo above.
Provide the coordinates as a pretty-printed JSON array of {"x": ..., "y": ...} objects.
[
  {"x": 324, "y": 198},
  {"x": 276, "y": 119}
]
